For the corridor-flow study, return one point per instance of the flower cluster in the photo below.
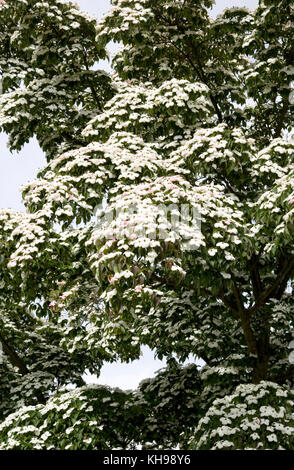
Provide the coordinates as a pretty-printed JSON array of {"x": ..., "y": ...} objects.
[{"x": 253, "y": 417}]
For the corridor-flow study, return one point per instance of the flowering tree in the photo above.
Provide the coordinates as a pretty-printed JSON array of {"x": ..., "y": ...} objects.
[{"x": 197, "y": 115}]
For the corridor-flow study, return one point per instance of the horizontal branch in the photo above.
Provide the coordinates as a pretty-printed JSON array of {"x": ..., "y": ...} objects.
[
  {"x": 16, "y": 360},
  {"x": 268, "y": 293}
]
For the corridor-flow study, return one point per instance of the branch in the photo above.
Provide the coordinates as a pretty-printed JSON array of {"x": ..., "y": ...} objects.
[
  {"x": 282, "y": 277},
  {"x": 200, "y": 74},
  {"x": 238, "y": 297},
  {"x": 242, "y": 315},
  {"x": 13, "y": 356},
  {"x": 255, "y": 276},
  {"x": 245, "y": 320},
  {"x": 72, "y": 139},
  {"x": 199, "y": 71},
  {"x": 289, "y": 57},
  {"x": 282, "y": 116},
  {"x": 16, "y": 360},
  {"x": 227, "y": 303},
  {"x": 90, "y": 84}
]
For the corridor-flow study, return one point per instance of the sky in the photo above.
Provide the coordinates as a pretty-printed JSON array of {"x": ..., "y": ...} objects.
[{"x": 19, "y": 168}]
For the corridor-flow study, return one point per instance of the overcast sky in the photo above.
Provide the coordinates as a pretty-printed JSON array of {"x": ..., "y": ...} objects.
[{"x": 18, "y": 168}]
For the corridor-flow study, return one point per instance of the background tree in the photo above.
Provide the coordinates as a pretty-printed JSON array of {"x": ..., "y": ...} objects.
[{"x": 196, "y": 113}]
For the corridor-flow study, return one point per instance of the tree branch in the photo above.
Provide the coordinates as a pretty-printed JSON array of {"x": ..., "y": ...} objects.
[
  {"x": 282, "y": 277},
  {"x": 94, "y": 93},
  {"x": 289, "y": 57},
  {"x": 16, "y": 360},
  {"x": 13, "y": 356},
  {"x": 199, "y": 71},
  {"x": 282, "y": 116}
]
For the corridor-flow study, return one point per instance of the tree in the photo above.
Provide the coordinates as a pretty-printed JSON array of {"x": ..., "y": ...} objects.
[{"x": 196, "y": 115}]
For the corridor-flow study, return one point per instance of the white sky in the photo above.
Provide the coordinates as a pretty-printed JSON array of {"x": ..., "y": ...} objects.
[{"x": 18, "y": 168}]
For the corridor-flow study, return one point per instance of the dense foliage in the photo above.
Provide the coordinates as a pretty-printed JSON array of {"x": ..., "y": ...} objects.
[{"x": 197, "y": 114}]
